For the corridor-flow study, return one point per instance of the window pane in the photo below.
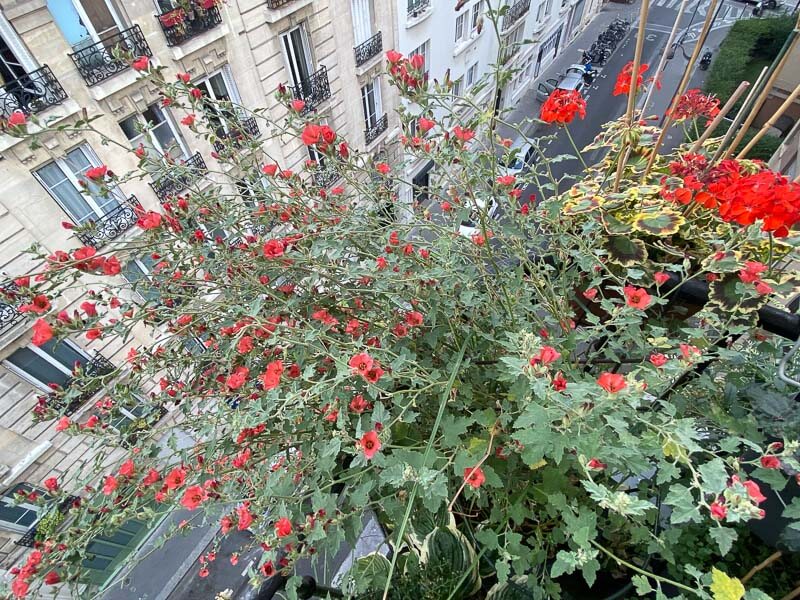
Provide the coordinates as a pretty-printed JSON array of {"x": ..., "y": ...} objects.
[
  {"x": 219, "y": 88},
  {"x": 64, "y": 353},
  {"x": 65, "y": 192},
  {"x": 21, "y": 517},
  {"x": 27, "y": 361},
  {"x": 78, "y": 162},
  {"x": 129, "y": 127}
]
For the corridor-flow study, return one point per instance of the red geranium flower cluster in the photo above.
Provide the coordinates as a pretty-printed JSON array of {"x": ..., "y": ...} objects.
[
  {"x": 694, "y": 104},
  {"x": 623, "y": 84},
  {"x": 409, "y": 72},
  {"x": 562, "y": 106}
]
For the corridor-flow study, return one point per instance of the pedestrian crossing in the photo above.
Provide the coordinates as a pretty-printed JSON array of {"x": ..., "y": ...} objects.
[{"x": 730, "y": 11}]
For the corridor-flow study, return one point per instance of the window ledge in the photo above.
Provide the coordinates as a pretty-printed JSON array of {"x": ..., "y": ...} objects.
[
  {"x": 273, "y": 15},
  {"x": 412, "y": 21},
  {"x": 51, "y": 115},
  {"x": 538, "y": 26},
  {"x": 26, "y": 462},
  {"x": 198, "y": 42},
  {"x": 119, "y": 82},
  {"x": 464, "y": 44},
  {"x": 369, "y": 65}
]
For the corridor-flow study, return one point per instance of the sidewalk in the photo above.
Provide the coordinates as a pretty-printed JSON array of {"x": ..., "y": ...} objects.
[{"x": 527, "y": 106}]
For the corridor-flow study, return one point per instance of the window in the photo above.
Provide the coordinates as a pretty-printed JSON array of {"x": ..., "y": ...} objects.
[
  {"x": 297, "y": 53},
  {"x": 458, "y": 86},
  {"x": 164, "y": 139},
  {"x": 476, "y": 13},
  {"x": 423, "y": 51},
  {"x": 549, "y": 7},
  {"x": 362, "y": 20},
  {"x": 52, "y": 362},
  {"x": 61, "y": 177},
  {"x": 221, "y": 88},
  {"x": 540, "y": 13},
  {"x": 472, "y": 75},
  {"x": 461, "y": 25},
  {"x": 85, "y": 22},
  {"x": 371, "y": 102},
  {"x": 514, "y": 40},
  {"x": 137, "y": 271},
  {"x": 17, "y": 516}
]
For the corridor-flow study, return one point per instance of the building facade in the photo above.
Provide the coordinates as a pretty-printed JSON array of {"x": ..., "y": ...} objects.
[{"x": 60, "y": 61}]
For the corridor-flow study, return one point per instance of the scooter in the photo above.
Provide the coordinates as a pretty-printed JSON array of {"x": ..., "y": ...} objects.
[{"x": 705, "y": 61}]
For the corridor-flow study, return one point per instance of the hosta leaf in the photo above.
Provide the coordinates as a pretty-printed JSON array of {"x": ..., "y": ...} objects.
[
  {"x": 625, "y": 251},
  {"x": 725, "y": 587},
  {"x": 662, "y": 223}
]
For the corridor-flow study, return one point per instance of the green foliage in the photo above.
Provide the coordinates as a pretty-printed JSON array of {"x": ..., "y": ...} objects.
[{"x": 48, "y": 524}]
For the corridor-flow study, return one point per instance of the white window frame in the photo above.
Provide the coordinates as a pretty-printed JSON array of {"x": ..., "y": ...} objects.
[
  {"x": 458, "y": 86},
  {"x": 548, "y": 8},
  {"x": 14, "y": 42},
  {"x": 289, "y": 56},
  {"x": 170, "y": 122},
  {"x": 476, "y": 13},
  {"x": 540, "y": 13},
  {"x": 121, "y": 25},
  {"x": 50, "y": 359},
  {"x": 472, "y": 75},
  {"x": 70, "y": 176},
  {"x": 373, "y": 86},
  {"x": 362, "y": 20},
  {"x": 8, "y": 499},
  {"x": 461, "y": 26}
]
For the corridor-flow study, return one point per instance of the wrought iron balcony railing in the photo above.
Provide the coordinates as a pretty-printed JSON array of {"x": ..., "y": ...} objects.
[
  {"x": 32, "y": 93},
  {"x": 180, "y": 179},
  {"x": 372, "y": 47},
  {"x": 235, "y": 135},
  {"x": 277, "y": 3},
  {"x": 314, "y": 90},
  {"x": 9, "y": 315},
  {"x": 110, "y": 55},
  {"x": 515, "y": 13},
  {"x": 28, "y": 539},
  {"x": 325, "y": 176},
  {"x": 180, "y": 25},
  {"x": 111, "y": 225},
  {"x": 371, "y": 133},
  {"x": 417, "y": 7}
]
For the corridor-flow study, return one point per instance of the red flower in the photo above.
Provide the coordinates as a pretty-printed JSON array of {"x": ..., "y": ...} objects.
[
  {"x": 17, "y": 119},
  {"x": 274, "y": 248},
  {"x": 19, "y": 587},
  {"x": 184, "y": 77},
  {"x": 611, "y": 382},
  {"x": 42, "y": 332},
  {"x": 763, "y": 288},
  {"x": 193, "y": 496},
  {"x": 383, "y": 168},
  {"x": 559, "y": 383},
  {"x": 268, "y": 569},
  {"x": 636, "y": 297},
  {"x": 547, "y": 355},
  {"x": 238, "y": 378},
  {"x": 127, "y": 469},
  {"x": 374, "y": 374},
  {"x": 474, "y": 477},
  {"x": 361, "y": 363},
  {"x": 188, "y": 120},
  {"x": 657, "y": 359},
  {"x": 51, "y": 484},
  {"x": 40, "y": 304},
  {"x": 417, "y": 61},
  {"x": 109, "y": 485},
  {"x": 149, "y": 220},
  {"x": 141, "y": 63},
  {"x": 271, "y": 378},
  {"x": 753, "y": 491},
  {"x": 270, "y": 170},
  {"x": 718, "y": 510},
  {"x": 283, "y": 527},
  {"x": 96, "y": 173},
  {"x": 393, "y": 56},
  {"x": 596, "y": 465},
  {"x": 770, "y": 462},
  {"x": 508, "y": 180},
  {"x": 425, "y": 125},
  {"x": 623, "y": 84},
  {"x": 590, "y": 294},
  {"x": 151, "y": 477},
  {"x": 298, "y": 105},
  {"x": 175, "y": 478},
  {"x": 562, "y": 106},
  {"x": 52, "y": 578},
  {"x": 693, "y": 104},
  {"x": 752, "y": 271},
  {"x": 312, "y": 134},
  {"x": 63, "y": 424},
  {"x": 464, "y": 135},
  {"x": 370, "y": 444},
  {"x": 661, "y": 277},
  {"x": 414, "y": 318},
  {"x": 358, "y": 404}
]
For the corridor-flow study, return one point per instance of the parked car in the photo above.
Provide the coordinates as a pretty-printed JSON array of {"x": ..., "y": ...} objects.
[
  {"x": 770, "y": 4},
  {"x": 516, "y": 163},
  {"x": 573, "y": 79},
  {"x": 470, "y": 225}
]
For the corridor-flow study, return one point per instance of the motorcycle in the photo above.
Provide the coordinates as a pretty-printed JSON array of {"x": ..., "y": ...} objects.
[{"x": 705, "y": 61}]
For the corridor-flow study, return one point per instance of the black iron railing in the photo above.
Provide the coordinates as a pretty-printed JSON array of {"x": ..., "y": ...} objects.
[
  {"x": 111, "y": 55},
  {"x": 277, "y": 3},
  {"x": 372, "y": 47},
  {"x": 371, "y": 133},
  {"x": 417, "y": 7},
  {"x": 325, "y": 177},
  {"x": 179, "y": 179},
  {"x": 314, "y": 90},
  {"x": 28, "y": 539},
  {"x": 9, "y": 315},
  {"x": 235, "y": 135},
  {"x": 180, "y": 25},
  {"x": 98, "y": 365},
  {"x": 515, "y": 13},
  {"x": 111, "y": 225},
  {"x": 32, "y": 93}
]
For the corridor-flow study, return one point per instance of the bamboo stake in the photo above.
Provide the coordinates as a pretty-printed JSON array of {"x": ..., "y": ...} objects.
[
  {"x": 637, "y": 60},
  {"x": 687, "y": 73},
  {"x": 663, "y": 62},
  {"x": 739, "y": 116},
  {"x": 762, "y": 565},
  {"x": 776, "y": 70},
  {"x": 721, "y": 115},
  {"x": 770, "y": 122}
]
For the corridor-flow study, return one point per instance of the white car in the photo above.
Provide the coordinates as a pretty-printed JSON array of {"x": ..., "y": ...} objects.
[
  {"x": 518, "y": 161},
  {"x": 471, "y": 225}
]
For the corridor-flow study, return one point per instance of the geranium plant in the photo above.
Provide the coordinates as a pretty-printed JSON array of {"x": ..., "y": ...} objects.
[{"x": 515, "y": 391}]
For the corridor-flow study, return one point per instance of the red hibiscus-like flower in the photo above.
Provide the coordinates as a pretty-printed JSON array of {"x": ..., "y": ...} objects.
[
  {"x": 270, "y": 170},
  {"x": 462, "y": 134},
  {"x": 370, "y": 443},
  {"x": 425, "y": 125},
  {"x": 770, "y": 462},
  {"x": 474, "y": 477},
  {"x": 188, "y": 120},
  {"x": 374, "y": 374},
  {"x": 693, "y": 104},
  {"x": 151, "y": 477},
  {"x": 238, "y": 378},
  {"x": 393, "y": 57},
  {"x": 596, "y": 465},
  {"x": 718, "y": 510},
  {"x": 274, "y": 248},
  {"x": 361, "y": 363},
  {"x": 127, "y": 469},
  {"x": 657, "y": 359},
  {"x": 312, "y": 134},
  {"x": 283, "y": 527},
  {"x": 753, "y": 491},
  {"x": 245, "y": 517},
  {"x": 42, "y": 332},
  {"x": 149, "y": 220},
  {"x": 141, "y": 63},
  {"x": 752, "y": 271},
  {"x": 623, "y": 84},
  {"x": 268, "y": 569},
  {"x": 358, "y": 404},
  {"x": 559, "y": 383},
  {"x": 508, "y": 180},
  {"x": 184, "y": 77},
  {"x": 51, "y": 484},
  {"x": 547, "y": 355},
  {"x": 636, "y": 297},
  {"x": 562, "y": 106},
  {"x": 414, "y": 318},
  {"x": 297, "y": 105},
  {"x": 611, "y": 382},
  {"x": 109, "y": 485},
  {"x": 271, "y": 377},
  {"x": 63, "y": 424},
  {"x": 383, "y": 168},
  {"x": 175, "y": 478},
  {"x": 40, "y": 304},
  {"x": 193, "y": 496},
  {"x": 52, "y": 578},
  {"x": 661, "y": 277},
  {"x": 96, "y": 173},
  {"x": 417, "y": 61},
  {"x": 17, "y": 119}
]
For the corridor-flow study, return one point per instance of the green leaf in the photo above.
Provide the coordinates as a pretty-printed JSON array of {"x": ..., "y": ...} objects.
[
  {"x": 642, "y": 584},
  {"x": 756, "y": 594},
  {"x": 714, "y": 475},
  {"x": 662, "y": 223},
  {"x": 772, "y": 477},
  {"x": 370, "y": 571},
  {"x": 565, "y": 563},
  {"x": 793, "y": 510},
  {"x": 625, "y": 251},
  {"x": 683, "y": 505},
  {"x": 724, "y": 536},
  {"x": 725, "y": 587}
]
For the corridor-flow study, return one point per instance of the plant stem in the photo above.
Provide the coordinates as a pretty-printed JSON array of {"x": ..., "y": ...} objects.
[
  {"x": 480, "y": 462},
  {"x": 641, "y": 571},
  {"x": 442, "y": 403},
  {"x": 762, "y": 565},
  {"x": 793, "y": 594},
  {"x": 575, "y": 146}
]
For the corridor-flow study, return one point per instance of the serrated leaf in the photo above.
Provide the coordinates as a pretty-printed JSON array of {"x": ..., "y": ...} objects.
[
  {"x": 793, "y": 510},
  {"x": 725, "y": 587},
  {"x": 642, "y": 584},
  {"x": 724, "y": 536},
  {"x": 714, "y": 475}
]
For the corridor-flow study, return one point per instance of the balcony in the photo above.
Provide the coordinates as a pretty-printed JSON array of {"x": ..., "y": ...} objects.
[
  {"x": 314, "y": 90},
  {"x": 111, "y": 55},
  {"x": 69, "y": 399},
  {"x": 179, "y": 179},
  {"x": 277, "y": 3},
  {"x": 111, "y": 225},
  {"x": 372, "y": 47},
  {"x": 48, "y": 523},
  {"x": 32, "y": 93},
  {"x": 180, "y": 25},
  {"x": 9, "y": 315},
  {"x": 372, "y": 133},
  {"x": 324, "y": 177},
  {"x": 236, "y": 135},
  {"x": 417, "y": 8},
  {"x": 515, "y": 13}
]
